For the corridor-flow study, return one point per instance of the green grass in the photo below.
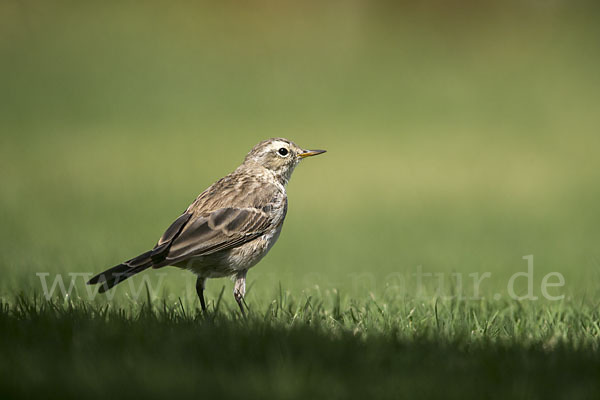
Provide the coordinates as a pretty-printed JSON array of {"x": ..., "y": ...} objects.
[
  {"x": 459, "y": 139},
  {"x": 300, "y": 350}
]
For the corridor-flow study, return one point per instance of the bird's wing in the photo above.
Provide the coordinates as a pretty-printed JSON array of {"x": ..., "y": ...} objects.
[
  {"x": 221, "y": 229},
  {"x": 160, "y": 251},
  {"x": 175, "y": 229}
]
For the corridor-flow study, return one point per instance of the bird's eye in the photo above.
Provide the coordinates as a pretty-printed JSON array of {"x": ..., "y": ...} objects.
[{"x": 283, "y": 151}]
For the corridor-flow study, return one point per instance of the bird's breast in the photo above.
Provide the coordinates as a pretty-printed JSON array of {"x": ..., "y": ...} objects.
[{"x": 249, "y": 254}]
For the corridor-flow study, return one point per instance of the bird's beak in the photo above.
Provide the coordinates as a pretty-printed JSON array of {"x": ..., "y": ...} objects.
[{"x": 310, "y": 153}]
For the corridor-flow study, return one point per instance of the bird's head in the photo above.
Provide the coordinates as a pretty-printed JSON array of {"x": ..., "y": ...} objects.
[{"x": 279, "y": 156}]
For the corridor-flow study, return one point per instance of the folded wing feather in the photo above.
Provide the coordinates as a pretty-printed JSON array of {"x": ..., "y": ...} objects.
[{"x": 222, "y": 229}]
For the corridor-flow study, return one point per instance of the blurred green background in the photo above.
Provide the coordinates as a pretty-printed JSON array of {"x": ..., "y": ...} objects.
[{"x": 461, "y": 136}]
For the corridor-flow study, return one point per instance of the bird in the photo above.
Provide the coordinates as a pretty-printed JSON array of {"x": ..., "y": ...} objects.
[{"x": 229, "y": 227}]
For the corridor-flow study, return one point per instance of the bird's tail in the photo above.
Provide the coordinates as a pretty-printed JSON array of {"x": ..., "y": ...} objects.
[{"x": 119, "y": 273}]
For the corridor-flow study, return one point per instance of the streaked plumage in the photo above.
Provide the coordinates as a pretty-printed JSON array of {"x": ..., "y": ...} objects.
[{"x": 229, "y": 227}]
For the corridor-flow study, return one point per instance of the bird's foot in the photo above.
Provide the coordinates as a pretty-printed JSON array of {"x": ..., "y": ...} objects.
[{"x": 239, "y": 298}]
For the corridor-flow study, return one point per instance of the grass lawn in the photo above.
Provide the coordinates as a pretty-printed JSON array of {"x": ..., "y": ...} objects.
[{"x": 301, "y": 350}]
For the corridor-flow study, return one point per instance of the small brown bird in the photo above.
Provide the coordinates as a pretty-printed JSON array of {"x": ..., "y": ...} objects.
[{"x": 230, "y": 226}]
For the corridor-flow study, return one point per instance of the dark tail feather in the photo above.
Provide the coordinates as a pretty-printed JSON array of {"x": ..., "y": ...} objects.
[{"x": 119, "y": 273}]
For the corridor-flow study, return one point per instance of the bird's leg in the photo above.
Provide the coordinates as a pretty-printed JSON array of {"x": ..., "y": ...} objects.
[
  {"x": 239, "y": 290},
  {"x": 200, "y": 282}
]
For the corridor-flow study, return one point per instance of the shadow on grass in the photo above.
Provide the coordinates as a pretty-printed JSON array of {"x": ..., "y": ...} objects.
[{"x": 92, "y": 351}]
